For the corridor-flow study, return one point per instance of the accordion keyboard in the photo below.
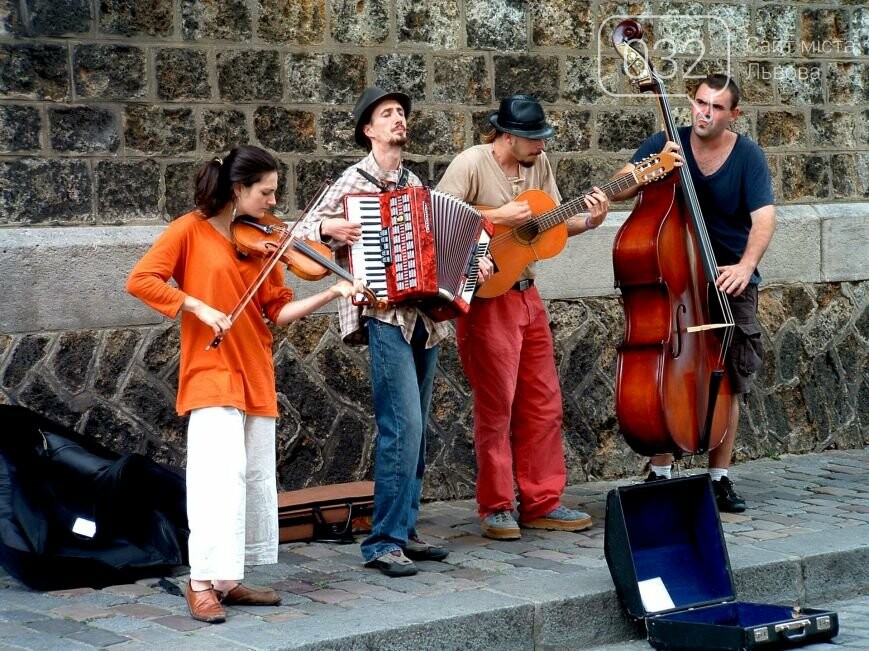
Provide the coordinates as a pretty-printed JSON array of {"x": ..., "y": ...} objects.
[{"x": 367, "y": 254}]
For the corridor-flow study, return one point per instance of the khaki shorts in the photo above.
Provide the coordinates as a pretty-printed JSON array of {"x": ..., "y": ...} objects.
[{"x": 745, "y": 354}]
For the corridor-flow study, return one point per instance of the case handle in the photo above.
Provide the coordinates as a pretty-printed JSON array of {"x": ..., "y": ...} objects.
[
  {"x": 339, "y": 533},
  {"x": 794, "y": 630}
]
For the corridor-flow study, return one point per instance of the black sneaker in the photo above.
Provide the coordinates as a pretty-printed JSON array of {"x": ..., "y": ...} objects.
[
  {"x": 419, "y": 550},
  {"x": 726, "y": 498},
  {"x": 653, "y": 476}
]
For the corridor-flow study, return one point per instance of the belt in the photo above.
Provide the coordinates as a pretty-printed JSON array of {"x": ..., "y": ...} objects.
[{"x": 522, "y": 285}]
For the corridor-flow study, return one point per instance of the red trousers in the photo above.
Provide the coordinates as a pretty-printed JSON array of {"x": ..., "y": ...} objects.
[{"x": 506, "y": 351}]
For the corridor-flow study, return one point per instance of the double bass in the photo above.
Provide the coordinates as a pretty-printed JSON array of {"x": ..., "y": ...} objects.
[{"x": 672, "y": 391}]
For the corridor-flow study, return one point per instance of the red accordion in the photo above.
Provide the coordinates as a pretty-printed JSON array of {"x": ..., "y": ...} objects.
[{"x": 418, "y": 245}]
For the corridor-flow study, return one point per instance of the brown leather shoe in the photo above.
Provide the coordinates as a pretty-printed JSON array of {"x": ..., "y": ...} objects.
[
  {"x": 204, "y": 605},
  {"x": 246, "y": 595}
]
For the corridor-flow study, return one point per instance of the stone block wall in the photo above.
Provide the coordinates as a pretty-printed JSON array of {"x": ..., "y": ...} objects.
[{"x": 106, "y": 109}]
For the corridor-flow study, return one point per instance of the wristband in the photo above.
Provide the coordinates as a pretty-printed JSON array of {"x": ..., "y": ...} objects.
[{"x": 588, "y": 225}]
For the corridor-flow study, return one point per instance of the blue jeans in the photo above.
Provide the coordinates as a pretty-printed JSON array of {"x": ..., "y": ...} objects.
[{"x": 402, "y": 376}]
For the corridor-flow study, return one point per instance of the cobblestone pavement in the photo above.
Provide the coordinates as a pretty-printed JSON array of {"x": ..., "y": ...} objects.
[{"x": 808, "y": 501}]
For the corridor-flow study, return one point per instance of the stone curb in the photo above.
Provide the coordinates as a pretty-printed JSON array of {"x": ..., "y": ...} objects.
[{"x": 813, "y": 243}]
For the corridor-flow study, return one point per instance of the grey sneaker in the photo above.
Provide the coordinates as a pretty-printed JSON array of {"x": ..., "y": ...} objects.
[
  {"x": 560, "y": 519},
  {"x": 393, "y": 563},
  {"x": 500, "y": 526}
]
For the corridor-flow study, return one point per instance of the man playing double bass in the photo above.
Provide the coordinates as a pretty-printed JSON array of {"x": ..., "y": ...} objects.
[{"x": 733, "y": 185}]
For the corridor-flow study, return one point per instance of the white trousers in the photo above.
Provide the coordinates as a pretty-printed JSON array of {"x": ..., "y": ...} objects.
[{"x": 232, "y": 502}]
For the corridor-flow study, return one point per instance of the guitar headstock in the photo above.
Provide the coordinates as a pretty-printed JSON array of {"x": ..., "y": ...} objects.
[
  {"x": 627, "y": 38},
  {"x": 654, "y": 167}
]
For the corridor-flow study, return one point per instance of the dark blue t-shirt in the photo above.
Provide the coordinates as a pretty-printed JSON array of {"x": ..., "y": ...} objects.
[{"x": 728, "y": 196}]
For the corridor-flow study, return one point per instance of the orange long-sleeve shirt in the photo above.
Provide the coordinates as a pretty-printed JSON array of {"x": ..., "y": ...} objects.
[{"x": 239, "y": 372}]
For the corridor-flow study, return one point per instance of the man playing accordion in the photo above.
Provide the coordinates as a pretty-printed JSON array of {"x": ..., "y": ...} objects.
[{"x": 402, "y": 341}]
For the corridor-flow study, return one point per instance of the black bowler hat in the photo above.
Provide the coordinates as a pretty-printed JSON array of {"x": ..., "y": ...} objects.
[
  {"x": 370, "y": 98},
  {"x": 522, "y": 115}
]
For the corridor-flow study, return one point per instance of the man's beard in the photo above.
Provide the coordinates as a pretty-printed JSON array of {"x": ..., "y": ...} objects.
[
  {"x": 401, "y": 140},
  {"x": 528, "y": 163}
]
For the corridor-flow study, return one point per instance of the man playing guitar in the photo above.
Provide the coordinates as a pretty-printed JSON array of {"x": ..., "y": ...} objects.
[{"x": 505, "y": 343}]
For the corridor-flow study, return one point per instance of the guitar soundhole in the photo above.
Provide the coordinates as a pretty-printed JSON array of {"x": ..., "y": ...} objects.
[{"x": 527, "y": 232}]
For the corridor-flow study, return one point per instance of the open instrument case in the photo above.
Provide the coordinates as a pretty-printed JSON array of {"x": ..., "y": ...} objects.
[{"x": 665, "y": 550}]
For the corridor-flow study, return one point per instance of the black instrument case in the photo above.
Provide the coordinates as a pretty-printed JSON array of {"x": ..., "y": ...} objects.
[{"x": 665, "y": 550}]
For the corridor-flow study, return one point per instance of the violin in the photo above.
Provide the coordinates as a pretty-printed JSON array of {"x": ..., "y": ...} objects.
[
  {"x": 672, "y": 390},
  {"x": 263, "y": 237},
  {"x": 270, "y": 238}
]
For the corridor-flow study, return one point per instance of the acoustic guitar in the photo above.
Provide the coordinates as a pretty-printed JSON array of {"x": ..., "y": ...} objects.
[{"x": 544, "y": 236}]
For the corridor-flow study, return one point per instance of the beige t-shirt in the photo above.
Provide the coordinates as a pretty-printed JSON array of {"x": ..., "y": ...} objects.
[{"x": 475, "y": 176}]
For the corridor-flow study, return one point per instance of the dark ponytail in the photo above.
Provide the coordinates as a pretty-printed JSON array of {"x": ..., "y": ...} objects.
[{"x": 245, "y": 164}]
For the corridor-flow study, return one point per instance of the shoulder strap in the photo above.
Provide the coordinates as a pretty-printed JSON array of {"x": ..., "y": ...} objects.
[
  {"x": 403, "y": 178},
  {"x": 368, "y": 177}
]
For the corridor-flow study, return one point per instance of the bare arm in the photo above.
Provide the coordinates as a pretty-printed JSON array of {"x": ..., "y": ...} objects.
[
  {"x": 631, "y": 191},
  {"x": 510, "y": 214},
  {"x": 297, "y": 309},
  {"x": 733, "y": 279}
]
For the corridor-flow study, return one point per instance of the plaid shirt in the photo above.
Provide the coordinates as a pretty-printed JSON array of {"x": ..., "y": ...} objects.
[{"x": 352, "y": 317}]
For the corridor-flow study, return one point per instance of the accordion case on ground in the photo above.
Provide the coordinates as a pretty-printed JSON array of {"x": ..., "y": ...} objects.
[
  {"x": 665, "y": 550},
  {"x": 331, "y": 513}
]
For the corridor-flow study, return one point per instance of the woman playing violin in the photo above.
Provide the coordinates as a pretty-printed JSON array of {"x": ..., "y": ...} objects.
[{"x": 228, "y": 391}]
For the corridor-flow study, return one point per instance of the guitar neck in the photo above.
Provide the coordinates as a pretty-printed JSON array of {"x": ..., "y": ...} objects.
[{"x": 570, "y": 208}]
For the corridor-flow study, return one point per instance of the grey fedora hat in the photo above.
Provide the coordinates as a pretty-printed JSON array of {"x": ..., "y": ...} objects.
[
  {"x": 523, "y": 116},
  {"x": 370, "y": 97}
]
